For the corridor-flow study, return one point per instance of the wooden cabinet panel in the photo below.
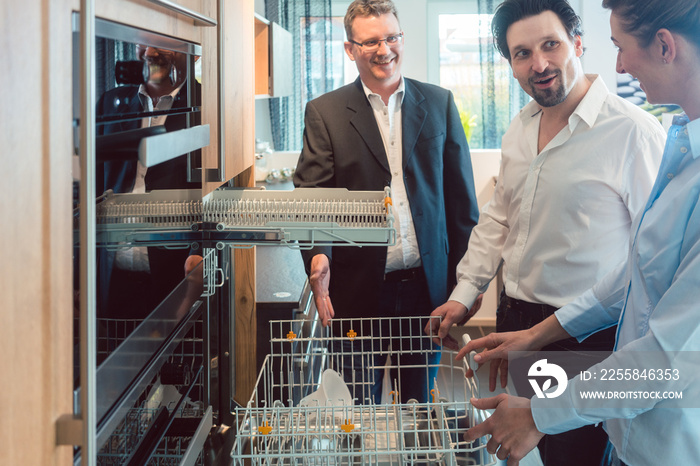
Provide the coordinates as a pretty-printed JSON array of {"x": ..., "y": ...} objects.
[
  {"x": 273, "y": 59},
  {"x": 262, "y": 58},
  {"x": 238, "y": 87},
  {"x": 35, "y": 199},
  {"x": 36, "y": 278}
]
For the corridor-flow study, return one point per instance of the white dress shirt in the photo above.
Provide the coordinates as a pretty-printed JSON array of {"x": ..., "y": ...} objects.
[
  {"x": 559, "y": 219},
  {"x": 655, "y": 297},
  {"x": 404, "y": 254}
]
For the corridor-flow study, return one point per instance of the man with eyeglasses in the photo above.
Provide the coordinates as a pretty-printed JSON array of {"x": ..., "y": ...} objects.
[{"x": 388, "y": 130}]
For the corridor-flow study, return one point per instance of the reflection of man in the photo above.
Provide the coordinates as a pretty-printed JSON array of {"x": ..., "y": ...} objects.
[
  {"x": 149, "y": 273},
  {"x": 383, "y": 130},
  {"x": 164, "y": 90},
  {"x": 167, "y": 70},
  {"x": 577, "y": 165}
]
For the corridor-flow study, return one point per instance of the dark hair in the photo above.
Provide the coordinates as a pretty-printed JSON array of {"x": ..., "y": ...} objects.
[
  {"x": 643, "y": 18},
  {"x": 367, "y": 8},
  {"x": 511, "y": 11}
]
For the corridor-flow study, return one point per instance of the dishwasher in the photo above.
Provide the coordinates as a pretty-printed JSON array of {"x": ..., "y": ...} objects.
[
  {"x": 303, "y": 411},
  {"x": 154, "y": 352},
  {"x": 164, "y": 384}
]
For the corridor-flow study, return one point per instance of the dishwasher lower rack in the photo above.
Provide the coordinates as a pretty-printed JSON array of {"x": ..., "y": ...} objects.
[
  {"x": 177, "y": 447},
  {"x": 168, "y": 422},
  {"x": 274, "y": 429},
  {"x": 246, "y": 217}
]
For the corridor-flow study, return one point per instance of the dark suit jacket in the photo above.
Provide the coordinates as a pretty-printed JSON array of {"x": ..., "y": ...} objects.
[{"x": 343, "y": 148}]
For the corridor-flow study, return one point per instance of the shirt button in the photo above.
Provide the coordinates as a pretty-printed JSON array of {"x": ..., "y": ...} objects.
[
  {"x": 669, "y": 176},
  {"x": 684, "y": 150}
]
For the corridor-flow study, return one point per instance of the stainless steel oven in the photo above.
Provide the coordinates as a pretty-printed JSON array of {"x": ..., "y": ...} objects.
[{"x": 147, "y": 336}]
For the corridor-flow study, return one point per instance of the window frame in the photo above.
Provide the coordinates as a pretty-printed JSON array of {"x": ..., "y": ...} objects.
[{"x": 435, "y": 9}]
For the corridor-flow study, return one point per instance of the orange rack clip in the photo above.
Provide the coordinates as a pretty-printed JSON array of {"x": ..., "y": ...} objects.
[
  {"x": 393, "y": 394},
  {"x": 347, "y": 427},
  {"x": 265, "y": 429},
  {"x": 387, "y": 202}
]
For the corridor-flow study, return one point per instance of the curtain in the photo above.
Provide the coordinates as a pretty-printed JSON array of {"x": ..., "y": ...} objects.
[
  {"x": 313, "y": 31},
  {"x": 501, "y": 94},
  {"x": 107, "y": 53}
]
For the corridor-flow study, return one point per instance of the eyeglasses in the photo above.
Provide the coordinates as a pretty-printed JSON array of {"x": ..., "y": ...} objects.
[{"x": 373, "y": 44}]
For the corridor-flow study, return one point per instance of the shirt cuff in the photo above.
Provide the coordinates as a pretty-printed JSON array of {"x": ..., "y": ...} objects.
[
  {"x": 584, "y": 316},
  {"x": 465, "y": 293},
  {"x": 555, "y": 415}
]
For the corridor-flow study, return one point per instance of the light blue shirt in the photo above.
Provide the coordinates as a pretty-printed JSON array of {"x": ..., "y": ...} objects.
[{"x": 654, "y": 300}]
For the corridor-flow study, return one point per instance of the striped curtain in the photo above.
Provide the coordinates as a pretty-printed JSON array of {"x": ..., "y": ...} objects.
[{"x": 312, "y": 29}]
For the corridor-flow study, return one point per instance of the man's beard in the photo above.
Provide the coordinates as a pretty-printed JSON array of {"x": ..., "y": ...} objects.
[
  {"x": 551, "y": 96},
  {"x": 159, "y": 71}
]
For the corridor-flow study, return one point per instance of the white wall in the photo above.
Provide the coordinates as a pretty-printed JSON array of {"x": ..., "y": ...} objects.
[
  {"x": 600, "y": 55},
  {"x": 260, "y": 7}
]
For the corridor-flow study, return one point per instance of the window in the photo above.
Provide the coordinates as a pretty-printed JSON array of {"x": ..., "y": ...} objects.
[{"x": 468, "y": 64}]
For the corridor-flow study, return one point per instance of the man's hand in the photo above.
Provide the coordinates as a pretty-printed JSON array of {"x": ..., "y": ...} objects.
[
  {"x": 511, "y": 426},
  {"x": 452, "y": 312},
  {"x": 319, "y": 278}
]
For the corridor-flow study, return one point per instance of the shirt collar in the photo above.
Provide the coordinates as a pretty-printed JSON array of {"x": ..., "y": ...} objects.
[
  {"x": 143, "y": 91},
  {"x": 399, "y": 92},
  {"x": 589, "y": 107},
  {"x": 694, "y": 135},
  {"x": 587, "y": 110}
]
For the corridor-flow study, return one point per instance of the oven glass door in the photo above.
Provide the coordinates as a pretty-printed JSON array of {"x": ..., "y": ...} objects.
[{"x": 151, "y": 316}]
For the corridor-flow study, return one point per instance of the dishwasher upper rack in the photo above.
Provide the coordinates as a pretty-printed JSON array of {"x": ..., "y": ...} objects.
[
  {"x": 275, "y": 430},
  {"x": 302, "y": 218}
]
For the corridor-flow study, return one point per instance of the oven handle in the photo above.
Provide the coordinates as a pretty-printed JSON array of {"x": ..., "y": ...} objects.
[{"x": 199, "y": 19}]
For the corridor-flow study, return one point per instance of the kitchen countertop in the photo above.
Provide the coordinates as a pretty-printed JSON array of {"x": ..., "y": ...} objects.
[{"x": 286, "y": 185}]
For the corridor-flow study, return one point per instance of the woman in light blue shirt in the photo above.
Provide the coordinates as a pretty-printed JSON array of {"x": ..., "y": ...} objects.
[{"x": 653, "y": 297}]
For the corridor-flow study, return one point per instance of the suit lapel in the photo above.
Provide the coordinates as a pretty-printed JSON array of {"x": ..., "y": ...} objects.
[
  {"x": 413, "y": 117},
  {"x": 365, "y": 124}
]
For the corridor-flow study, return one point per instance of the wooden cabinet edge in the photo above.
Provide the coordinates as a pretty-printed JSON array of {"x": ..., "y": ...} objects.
[{"x": 262, "y": 56}]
